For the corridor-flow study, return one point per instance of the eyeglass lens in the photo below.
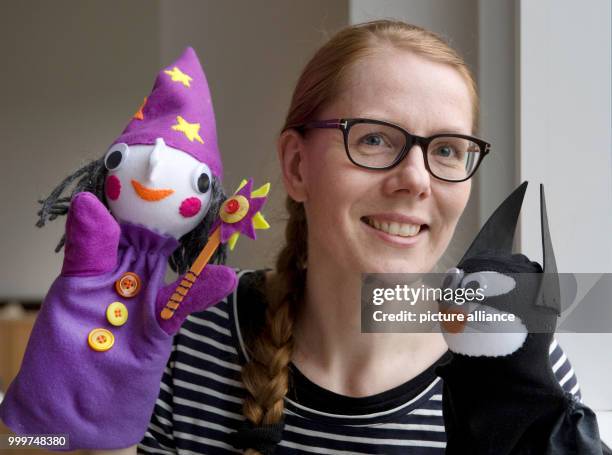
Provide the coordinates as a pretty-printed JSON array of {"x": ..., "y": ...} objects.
[{"x": 378, "y": 146}]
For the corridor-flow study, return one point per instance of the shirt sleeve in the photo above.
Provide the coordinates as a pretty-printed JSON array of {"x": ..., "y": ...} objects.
[
  {"x": 159, "y": 437},
  {"x": 563, "y": 370}
]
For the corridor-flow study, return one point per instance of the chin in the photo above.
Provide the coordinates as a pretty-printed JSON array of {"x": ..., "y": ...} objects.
[{"x": 394, "y": 265}]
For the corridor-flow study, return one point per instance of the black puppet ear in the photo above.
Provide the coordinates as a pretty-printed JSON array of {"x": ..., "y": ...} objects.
[
  {"x": 549, "y": 294},
  {"x": 497, "y": 235}
]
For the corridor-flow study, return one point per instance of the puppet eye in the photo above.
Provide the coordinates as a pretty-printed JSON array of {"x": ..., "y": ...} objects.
[
  {"x": 491, "y": 283},
  {"x": 201, "y": 179},
  {"x": 452, "y": 278},
  {"x": 116, "y": 156}
]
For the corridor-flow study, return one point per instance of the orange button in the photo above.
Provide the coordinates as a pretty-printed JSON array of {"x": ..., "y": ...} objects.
[
  {"x": 100, "y": 340},
  {"x": 117, "y": 313},
  {"x": 128, "y": 285}
]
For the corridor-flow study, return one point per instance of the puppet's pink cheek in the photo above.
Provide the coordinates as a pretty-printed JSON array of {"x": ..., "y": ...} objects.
[
  {"x": 113, "y": 187},
  {"x": 190, "y": 207}
]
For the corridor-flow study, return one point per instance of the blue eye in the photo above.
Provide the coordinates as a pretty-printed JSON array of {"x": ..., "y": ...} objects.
[
  {"x": 445, "y": 151},
  {"x": 373, "y": 140}
]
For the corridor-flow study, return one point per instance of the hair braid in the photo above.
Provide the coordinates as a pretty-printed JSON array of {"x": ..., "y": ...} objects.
[{"x": 266, "y": 375}]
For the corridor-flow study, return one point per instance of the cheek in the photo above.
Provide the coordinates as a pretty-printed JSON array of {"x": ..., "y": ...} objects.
[
  {"x": 190, "y": 207},
  {"x": 453, "y": 202},
  {"x": 113, "y": 187}
]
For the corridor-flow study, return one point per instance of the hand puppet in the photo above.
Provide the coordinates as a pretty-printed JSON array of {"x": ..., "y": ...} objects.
[
  {"x": 97, "y": 351},
  {"x": 500, "y": 395}
]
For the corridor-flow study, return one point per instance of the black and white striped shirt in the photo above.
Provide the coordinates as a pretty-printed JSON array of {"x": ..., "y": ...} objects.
[{"x": 201, "y": 393}]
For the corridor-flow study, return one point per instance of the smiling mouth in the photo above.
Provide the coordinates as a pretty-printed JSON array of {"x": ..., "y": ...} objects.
[
  {"x": 150, "y": 194},
  {"x": 395, "y": 228}
]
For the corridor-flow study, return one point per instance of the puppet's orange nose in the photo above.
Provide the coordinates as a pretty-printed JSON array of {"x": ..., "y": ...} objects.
[{"x": 454, "y": 324}]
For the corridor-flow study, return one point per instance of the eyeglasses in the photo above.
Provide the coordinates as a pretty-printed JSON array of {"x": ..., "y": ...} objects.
[{"x": 375, "y": 144}]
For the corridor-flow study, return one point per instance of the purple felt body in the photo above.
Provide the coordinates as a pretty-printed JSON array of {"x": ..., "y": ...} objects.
[{"x": 102, "y": 400}]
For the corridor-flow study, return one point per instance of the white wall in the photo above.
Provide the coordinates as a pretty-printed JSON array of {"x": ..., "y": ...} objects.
[
  {"x": 565, "y": 143},
  {"x": 497, "y": 67}
]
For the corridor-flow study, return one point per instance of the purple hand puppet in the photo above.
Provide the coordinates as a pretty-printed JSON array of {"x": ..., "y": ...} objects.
[{"x": 95, "y": 358}]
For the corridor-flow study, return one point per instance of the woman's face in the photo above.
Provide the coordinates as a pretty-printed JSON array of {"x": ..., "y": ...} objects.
[{"x": 344, "y": 203}]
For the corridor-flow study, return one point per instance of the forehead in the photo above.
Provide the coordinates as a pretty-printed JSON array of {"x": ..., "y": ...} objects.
[{"x": 402, "y": 87}]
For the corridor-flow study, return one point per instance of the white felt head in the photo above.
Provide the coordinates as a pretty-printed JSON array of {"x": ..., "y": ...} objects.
[
  {"x": 157, "y": 186},
  {"x": 486, "y": 339},
  {"x": 482, "y": 338}
]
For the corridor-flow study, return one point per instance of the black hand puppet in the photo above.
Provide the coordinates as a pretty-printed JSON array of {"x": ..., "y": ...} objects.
[{"x": 500, "y": 395}]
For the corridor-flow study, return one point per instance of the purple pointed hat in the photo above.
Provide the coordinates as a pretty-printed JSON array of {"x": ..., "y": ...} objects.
[{"x": 179, "y": 110}]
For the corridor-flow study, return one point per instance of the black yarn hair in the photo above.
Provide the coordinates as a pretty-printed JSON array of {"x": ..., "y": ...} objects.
[{"x": 91, "y": 178}]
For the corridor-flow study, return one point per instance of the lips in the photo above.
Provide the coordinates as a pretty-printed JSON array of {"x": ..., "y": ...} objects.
[{"x": 150, "y": 194}]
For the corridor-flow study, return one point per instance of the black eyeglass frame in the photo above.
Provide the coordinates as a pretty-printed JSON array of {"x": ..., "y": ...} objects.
[{"x": 345, "y": 125}]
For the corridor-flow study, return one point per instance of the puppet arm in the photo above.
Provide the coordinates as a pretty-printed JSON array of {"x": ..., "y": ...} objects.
[
  {"x": 92, "y": 237},
  {"x": 214, "y": 283}
]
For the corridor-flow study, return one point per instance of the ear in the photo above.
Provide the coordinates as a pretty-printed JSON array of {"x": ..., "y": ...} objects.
[{"x": 291, "y": 149}]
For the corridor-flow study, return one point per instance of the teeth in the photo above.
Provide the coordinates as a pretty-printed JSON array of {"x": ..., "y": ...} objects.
[{"x": 393, "y": 228}]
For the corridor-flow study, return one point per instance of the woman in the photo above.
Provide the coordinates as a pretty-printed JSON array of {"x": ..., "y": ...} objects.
[{"x": 302, "y": 373}]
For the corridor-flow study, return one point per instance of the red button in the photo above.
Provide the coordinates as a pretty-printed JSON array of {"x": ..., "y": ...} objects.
[{"x": 231, "y": 206}]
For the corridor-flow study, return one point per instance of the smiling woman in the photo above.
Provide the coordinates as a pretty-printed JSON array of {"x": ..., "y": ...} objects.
[
  {"x": 377, "y": 152},
  {"x": 344, "y": 203}
]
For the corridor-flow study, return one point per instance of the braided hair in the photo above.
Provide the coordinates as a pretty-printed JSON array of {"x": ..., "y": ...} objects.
[{"x": 266, "y": 375}]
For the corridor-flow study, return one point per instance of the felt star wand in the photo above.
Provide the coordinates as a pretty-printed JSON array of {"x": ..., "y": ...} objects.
[{"x": 239, "y": 214}]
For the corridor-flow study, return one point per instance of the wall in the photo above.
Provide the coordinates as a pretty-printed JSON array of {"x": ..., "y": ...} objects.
[
  {"x": 565, "y": 143},
  {"x": 252, "y": 57},
  {"x": 73, "y": 74}
]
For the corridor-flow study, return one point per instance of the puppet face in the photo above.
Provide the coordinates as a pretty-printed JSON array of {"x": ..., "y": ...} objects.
[
  {"x": 384, "y": 221},
  {"x": 156, "y": 186},
  {"x": 482, "y": 338}
]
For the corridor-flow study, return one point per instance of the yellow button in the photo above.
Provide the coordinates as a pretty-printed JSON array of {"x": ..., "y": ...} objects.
[
  {"x": 128, "y": 285},
  {"x": 100, "y": 340},
  {"x": 117, "y": 313}
]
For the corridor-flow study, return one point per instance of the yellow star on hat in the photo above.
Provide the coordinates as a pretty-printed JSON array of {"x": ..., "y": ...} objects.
[
  {"x": 178, "y": 76},
  {"x": 190, "y": 130}
]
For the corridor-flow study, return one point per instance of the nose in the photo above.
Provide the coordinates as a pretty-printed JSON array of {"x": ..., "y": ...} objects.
[
  {"x": 411, "y": 175},
  {"x": 155, "y": 159}
]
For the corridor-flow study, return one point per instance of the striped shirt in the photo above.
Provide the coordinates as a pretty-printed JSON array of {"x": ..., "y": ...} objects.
[{"x": 201, "y": 395}]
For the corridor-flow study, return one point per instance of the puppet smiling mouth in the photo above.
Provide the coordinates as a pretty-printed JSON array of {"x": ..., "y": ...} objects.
[{"x": 150, "y": 194}]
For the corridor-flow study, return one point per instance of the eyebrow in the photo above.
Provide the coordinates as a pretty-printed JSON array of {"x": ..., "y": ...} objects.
[{"x": 450, "y": 129}]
